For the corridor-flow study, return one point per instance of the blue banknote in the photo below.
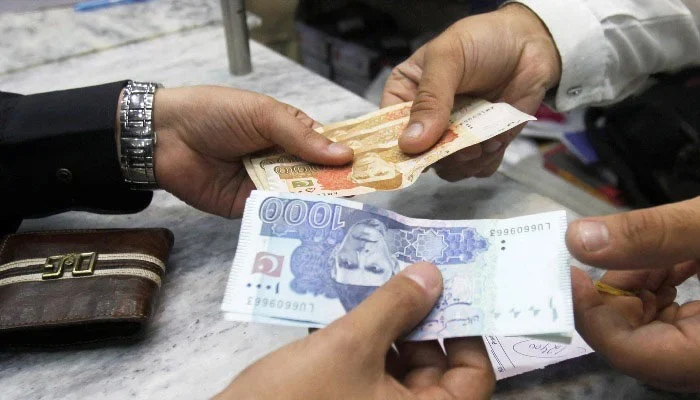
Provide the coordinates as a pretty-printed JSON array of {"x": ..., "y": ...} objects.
[{"x": 306, "y": 261}]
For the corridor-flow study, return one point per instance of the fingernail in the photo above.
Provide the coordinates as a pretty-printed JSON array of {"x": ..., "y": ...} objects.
[
  {"x": 426, "y": 275},
  {"x": 339, "y": 149},
  {"x": 594, "y": 235},
  {"x": 414, "y": 131},
  {"x": 492, "y": 147}
]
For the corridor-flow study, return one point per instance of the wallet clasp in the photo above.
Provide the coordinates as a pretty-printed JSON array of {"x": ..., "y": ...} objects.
[{"x": 81, "y": 264}]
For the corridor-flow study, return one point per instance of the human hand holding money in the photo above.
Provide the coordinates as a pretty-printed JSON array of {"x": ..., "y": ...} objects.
[
  {"x": 353, "y": 358},
  {"x": 306, "y": 261},
  {"x": 379, "y": 164}
]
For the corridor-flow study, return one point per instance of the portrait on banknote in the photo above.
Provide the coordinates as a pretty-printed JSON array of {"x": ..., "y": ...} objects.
[{"x": 361, "y": 262}]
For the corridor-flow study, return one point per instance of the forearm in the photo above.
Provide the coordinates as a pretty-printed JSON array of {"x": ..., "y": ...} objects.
[
  {"x": 58, "y": 152},
  {"x": 609, "y": 49}
]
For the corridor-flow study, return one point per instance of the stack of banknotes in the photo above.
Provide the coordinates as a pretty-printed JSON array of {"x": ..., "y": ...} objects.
[
  {"x": 379, "y": 164},
  {"x": 307, "y": 260}
]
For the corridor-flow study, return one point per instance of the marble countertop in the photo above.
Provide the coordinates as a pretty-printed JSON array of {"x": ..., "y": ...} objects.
[
  {"x": 29, "y": 39},
  {"x": 190, "y": 352}
]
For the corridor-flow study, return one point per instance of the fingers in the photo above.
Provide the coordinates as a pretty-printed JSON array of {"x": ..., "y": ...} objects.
[
  {"x": 690, "y": 310},
  {"x": 395, "y": 308},
  {"x": 481, "y": 160},
  {"x": 663, "y": 353},
  {"x": 425, "y": 362},
  {"x": 651, "y": 279},
  {"x": 652, "y": 238},
  {"x": 669, "y": 314},
  {"x": 470, "y": 374},
  {"x": 681, "y": 273},
  {"x": 443, "y": 69},
  {"x": 464, "y": 164},
  {"x": 630, "y": 280},
  {"x": 402, "y": 84},
  {"x": 665, "y": 296},
  {"x": 393, "y": 364},
  {"x": 293, "y": 132},
  {"x": 301, "y": 116},
  {"x": 492, "y": 166},
  {"x": 594, "y": 320}
]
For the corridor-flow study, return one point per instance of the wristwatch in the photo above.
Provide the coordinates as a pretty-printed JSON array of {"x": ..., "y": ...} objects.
[{"x": 137, "y": 138}]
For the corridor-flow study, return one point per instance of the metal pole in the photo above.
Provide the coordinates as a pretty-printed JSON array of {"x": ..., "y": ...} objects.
[{"x": 236, "y": 30}]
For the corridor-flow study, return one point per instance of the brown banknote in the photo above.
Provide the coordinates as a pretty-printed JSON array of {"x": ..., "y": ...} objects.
[{"x": 379, "y": 164}]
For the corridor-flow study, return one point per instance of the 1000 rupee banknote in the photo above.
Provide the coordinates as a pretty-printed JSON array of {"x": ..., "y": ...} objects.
[
  {"x": 379, "y": 164},
  {"x": 306, "y": 261}
]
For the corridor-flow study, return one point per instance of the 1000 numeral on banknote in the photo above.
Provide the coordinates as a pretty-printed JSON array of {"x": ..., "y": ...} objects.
[{"x": 306, "y": 261}]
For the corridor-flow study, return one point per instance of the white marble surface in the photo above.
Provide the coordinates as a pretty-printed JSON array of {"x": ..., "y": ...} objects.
[
  {"x": 190, "y": 351},
  {"x": 34, "y": 38}
]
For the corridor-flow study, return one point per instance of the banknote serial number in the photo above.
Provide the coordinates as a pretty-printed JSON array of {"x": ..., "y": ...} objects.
[
  {"x": 266, "y": 302},
  {"x": 516, "y": 230}
]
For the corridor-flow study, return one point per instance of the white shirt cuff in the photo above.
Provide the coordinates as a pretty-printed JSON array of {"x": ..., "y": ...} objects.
[{"x": 579, "y": 37}]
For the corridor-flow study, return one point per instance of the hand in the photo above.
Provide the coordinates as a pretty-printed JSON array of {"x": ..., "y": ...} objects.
[
  {"x": 505, "y": 56},
  {"x": 649, "y": 337},
  {"x": 353, "y": 357},
  {"x": 204, "y": 131}
]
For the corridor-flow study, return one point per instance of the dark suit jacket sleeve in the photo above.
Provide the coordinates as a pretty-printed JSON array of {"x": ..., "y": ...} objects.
[{"x": 58, "y": 152}]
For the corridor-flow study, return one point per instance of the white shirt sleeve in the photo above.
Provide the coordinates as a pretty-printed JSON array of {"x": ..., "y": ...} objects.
[{"x": 609, "y": 48}]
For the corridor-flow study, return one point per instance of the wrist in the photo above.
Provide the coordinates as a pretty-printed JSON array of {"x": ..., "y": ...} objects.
[
  {"x": 536, "y": 40},
  {"x": 164, "y": 116},
  {"x": 166, "y": 122}
]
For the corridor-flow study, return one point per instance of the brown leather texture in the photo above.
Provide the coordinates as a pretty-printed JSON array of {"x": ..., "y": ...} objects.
[{"x": 72, "y": 310}]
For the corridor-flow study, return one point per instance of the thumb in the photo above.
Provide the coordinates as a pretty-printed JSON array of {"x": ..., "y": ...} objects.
[
  {"x": 656, "y": 237},
  {"x": 395, "y": 308},
  {"x": 293, "y": 136},
  {"x": 430, "y": 115}
]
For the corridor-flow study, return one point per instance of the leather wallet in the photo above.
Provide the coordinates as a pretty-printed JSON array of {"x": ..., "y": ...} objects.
[{"x": 77, "y": 287}]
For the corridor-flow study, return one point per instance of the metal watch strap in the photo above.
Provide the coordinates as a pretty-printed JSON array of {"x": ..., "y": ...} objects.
[{"x": 137, "y": 136}]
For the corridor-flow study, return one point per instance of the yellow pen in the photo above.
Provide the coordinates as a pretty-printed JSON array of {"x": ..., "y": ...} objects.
[{"x": 603, "y": 288}]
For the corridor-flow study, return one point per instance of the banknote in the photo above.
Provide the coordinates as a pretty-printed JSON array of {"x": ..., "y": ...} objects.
[
  {"x": 252, "y": 172},
  {"x": 307, "y": 260},
  {"x": 379, "y": 164},
  {"x": 516, "y": 355},
  {"x": 339, "y": 129}
]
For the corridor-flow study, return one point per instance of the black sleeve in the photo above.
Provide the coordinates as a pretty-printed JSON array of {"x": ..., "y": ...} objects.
[{"x": 58, "y": 153}]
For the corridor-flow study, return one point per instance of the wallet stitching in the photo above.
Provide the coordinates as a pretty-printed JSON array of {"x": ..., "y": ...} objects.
[
  {"x": 67, "y": 231},
  {"x": 18, "y": 325}
]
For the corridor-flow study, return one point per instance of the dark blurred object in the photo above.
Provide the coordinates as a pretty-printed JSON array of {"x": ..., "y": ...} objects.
[
  {"x": 350, "y": 44},
  {"x": 351, "y": 41},
  {"x": 276, "y": 30},
  {"x": 594, "y": 179},
  {"x": 652, "y": 141}
]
